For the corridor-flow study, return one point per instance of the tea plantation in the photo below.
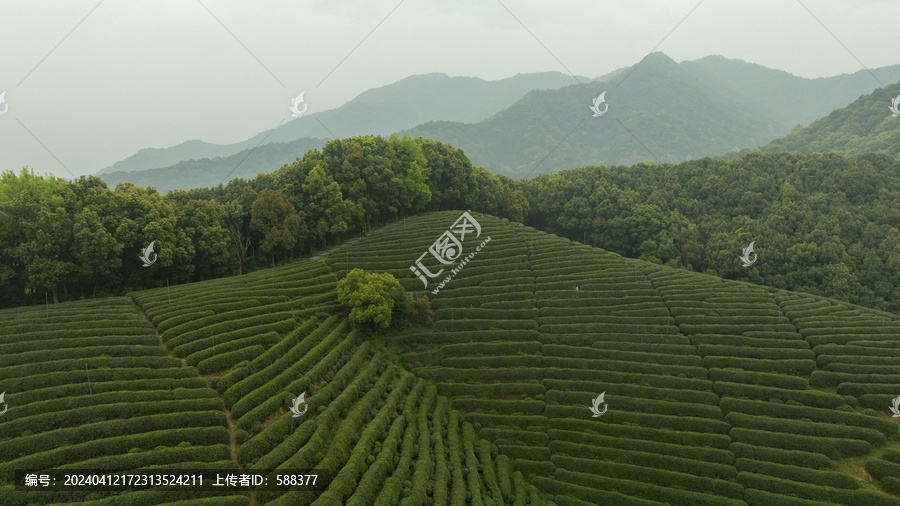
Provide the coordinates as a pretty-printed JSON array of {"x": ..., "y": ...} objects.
[{"x": 718, "y": 392}]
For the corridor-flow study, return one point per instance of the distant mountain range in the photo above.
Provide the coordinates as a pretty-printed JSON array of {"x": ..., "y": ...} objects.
[
  {"x": 209, "y": 172},
  {"x": 661, "y": 110},
  {"x": 381, "y": 111},
  {"x": 531, "y": 123}
]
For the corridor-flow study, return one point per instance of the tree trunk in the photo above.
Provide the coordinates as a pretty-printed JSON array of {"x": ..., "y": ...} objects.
[{"x": 55, "y": 296}]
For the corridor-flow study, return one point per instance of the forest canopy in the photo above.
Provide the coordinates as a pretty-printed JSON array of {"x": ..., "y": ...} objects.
[{"x": 823, "y": 224}]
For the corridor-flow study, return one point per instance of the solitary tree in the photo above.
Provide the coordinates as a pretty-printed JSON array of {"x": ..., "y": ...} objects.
[{"x": 368, "y": 295}]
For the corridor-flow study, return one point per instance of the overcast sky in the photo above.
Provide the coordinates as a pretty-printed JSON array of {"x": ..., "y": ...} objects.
[{"x": 94, "y": 81}]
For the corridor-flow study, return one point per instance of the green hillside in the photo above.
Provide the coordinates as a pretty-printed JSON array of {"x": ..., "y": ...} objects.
[
  {"x": 864, "y": 126},
  {"x": 718, "y": 392}
]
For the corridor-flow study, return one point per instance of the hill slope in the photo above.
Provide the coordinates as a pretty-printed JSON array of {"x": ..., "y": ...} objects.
[
  {"x": 864, "y": 126},
  {"x": 718, "y": 392}
]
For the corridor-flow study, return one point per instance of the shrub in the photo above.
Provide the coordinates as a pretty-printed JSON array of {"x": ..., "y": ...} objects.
[
  {"x": 491, "y": 362},
  {"x": 637, "y": 367},
  {"x": 795, "y": 367},
  {"x": 815, "y": 414},
  {"x": 695, "y": 451},
  {"x": 265, "y": 400},
  {"x": 591, "y": 353},
  {"x": 801, "y": 427},
  {"x": 859, "y": 497},
  {"x": 565, "y": 492},
  {"x": 274, "y": 353},
  {"x": 880, "y": 468},
  {"x": 831, "y": 379},
  {"x": 642, "y": 489},
  {"x": 796, "y": 473},
  {"x": 833, "y": 448},
  {"x": 490, "y": 389},
  {"x": 643, "y": 459},
  {"x": 190, "y": 342},
  {"x": 289, "y": 351},
  {"x": 662, "y": 477},
  {"x": 806, "y": 397},
  {"x": 182, "y": 318},
  {"x": 526, "y": 406},
  {"x": 368, "y": 295},
  {"x": 228, "y": 359}
]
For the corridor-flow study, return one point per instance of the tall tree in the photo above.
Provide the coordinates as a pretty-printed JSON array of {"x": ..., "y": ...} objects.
[
  {"x": 97, "y": 254},
  {"x": 326, "y": 210},
  {"x": 280, "y": 225}
]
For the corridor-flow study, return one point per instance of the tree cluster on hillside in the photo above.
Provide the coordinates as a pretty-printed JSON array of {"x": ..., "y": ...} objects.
[
  {"x": 378, "y": 299},
  {"x": 823, "y": 224},
  {"x": 81, "y": 239}
]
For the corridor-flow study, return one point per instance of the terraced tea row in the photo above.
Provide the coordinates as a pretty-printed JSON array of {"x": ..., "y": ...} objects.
[
  {"x": 784, "y": 434},
  {"x": 714, "y": 392},
  {"x": 88, "y": 387},
  {"x": 708, "y": 371},
  {"x": 363, "y": 417}
]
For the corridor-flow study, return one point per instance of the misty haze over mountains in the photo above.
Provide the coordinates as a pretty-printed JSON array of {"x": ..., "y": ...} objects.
[{"x": 660, "y": 110}]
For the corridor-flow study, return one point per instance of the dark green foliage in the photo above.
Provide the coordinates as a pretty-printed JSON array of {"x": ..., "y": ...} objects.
[
  {"x": 643, "y": 490},
  {"x": 316, "y": 362},
  {"x": 94, "y": 448},
  {"x": 638, "y": 367},
  {"x": 182, "y": 317},
  {"x": 815, "y": 414},
  {"x": 228, "y": 359},
  {"x": 801, "y": 427},
  {"x": 879, "y": 468},
  {"x": 645, "y": 459},
  {"x": 758, "y": 378},
  {"x": 526, "y": 406},
  {"x": 687, "y": 451},
  {"x": 807, "y": 397},
  {"x": 797, "y": 473},
  {"x": 793, "y": 367},
  {"x": 788, "y": 457},
  {"x": 663, "y": 477},
  {"x": 531, "y": 467},
  {"x": 274, "y": 353},
  {"x": 315, "y": 343},
  {"x": 858, "y": 497},
  {"x": 264, "y": 340},
  {"x": 833, "y": 448},
  {"x": 198, "y": 339},
  {"x": 490, "y": 389}
]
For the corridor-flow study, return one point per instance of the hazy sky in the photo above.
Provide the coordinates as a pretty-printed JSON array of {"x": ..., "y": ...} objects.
[{"x": 94, "y": 81}]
